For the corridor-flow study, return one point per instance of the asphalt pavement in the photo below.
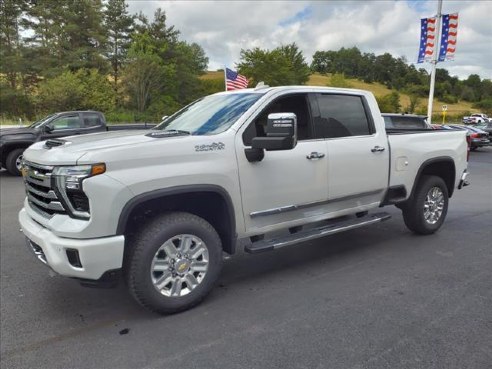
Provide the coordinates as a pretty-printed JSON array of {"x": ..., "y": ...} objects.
[{"x": 376, "y": 297}]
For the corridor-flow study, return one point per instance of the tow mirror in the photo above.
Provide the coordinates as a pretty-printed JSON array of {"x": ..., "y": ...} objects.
[
  {"x": 48, "y": 128},
  {"x": 281, "y": 134}
]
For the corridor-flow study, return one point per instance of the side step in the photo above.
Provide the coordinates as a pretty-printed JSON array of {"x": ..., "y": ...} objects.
[{"x": 311, "y": 234}]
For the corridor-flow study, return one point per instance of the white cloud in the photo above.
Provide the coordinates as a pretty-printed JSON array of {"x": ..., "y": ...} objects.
[{"x": 224, "y": 28}]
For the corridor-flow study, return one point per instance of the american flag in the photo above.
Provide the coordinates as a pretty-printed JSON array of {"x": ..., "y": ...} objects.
[
  {"x": 235, "y": 81},
  {"x": 449, "y": 35},
  {"x": 427, "y": 39}
]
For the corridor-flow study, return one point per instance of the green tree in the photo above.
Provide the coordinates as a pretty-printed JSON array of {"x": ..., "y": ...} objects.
[
  {"x": 144, "y": 76},
  {"x": 65, "y": 34},
  {"x": 339, "y": 80},
  {"x": 60, "y": 93},
  {"x": 162, "y": 73},
  {"x": 10, "y": 40},
  {"x": 389, "y": 103},
  {"x": 119, "y": 26},
  {"x": 284, "y": 65},
  {"x": 83, "y": 89}
]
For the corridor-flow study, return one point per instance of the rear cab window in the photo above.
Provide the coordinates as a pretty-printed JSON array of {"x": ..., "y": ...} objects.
[{"x": 404, "y": 122}]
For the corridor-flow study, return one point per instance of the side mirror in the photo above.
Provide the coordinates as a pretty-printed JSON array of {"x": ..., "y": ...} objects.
[
  {"x": 48, "y": 128},
  {"x": 164, "y": 118},
  {"x": 281, "y": 133}
]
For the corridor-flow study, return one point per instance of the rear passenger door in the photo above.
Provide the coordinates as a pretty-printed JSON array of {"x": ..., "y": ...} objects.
[{"x": 358, "y": 155}]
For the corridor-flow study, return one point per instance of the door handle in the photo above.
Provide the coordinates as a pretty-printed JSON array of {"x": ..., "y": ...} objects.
[
  {"x": 315, "y": 155},
  {"x": 377, "y": 149}
]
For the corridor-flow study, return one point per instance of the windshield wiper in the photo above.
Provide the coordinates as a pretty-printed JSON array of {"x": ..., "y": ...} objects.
[{"x": 177, "y": 131}]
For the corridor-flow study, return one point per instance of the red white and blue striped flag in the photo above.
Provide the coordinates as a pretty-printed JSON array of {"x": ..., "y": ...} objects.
[
  {"x": 427, "y": 39},
  {"x": 449, "y": 36},
  {"x": 235, "y": 81}
]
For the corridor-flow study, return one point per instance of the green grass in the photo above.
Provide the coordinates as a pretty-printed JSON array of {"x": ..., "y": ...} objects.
[{"x": 11, "y": 122}]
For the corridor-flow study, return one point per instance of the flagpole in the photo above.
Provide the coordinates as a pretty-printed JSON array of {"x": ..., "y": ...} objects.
[
  {"x": 225, "y": 78},
  {"x": 434, "y": 62}
]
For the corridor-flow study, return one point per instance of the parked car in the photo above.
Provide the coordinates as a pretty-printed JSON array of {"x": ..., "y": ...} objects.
[
  {"x": 405, "y": 121},
  {"x": 13, "y": 141},
  {"x": 487, "y": 127},
  {"x": 477, "y": 118},
  {"x": 258, "y": 169},
  {"x": 478, "y": 138}
]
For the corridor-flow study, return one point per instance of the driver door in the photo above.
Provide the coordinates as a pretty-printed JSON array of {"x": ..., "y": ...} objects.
[
  {"x": 287, "y": 186},
  {"x": 66, "y": 125}
]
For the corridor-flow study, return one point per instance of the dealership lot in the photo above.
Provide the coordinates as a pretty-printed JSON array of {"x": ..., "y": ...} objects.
[{"x": 376, "y": 297}]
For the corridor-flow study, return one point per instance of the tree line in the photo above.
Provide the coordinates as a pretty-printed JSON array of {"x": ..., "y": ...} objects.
[
  {"x": 88, "y": 54},
  {"x": 397, "y": 74}
]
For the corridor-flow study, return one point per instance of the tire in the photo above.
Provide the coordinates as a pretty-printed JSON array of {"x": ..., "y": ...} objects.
[
  {"x": 13, "y": 159},
  {"x": 424, "y": 221},
  {"x": 152, "y": 261},
  {"x": 474, "y": 148}
]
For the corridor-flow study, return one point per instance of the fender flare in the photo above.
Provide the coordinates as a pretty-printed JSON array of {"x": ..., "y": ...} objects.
[
  {"x": 425, "y": 164},
  {"x": 180, "y": 190}
]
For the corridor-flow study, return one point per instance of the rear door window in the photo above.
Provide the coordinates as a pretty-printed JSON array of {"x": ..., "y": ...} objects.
[
  {"x": 92, "y": 120},
  {"x": 341, "y": 116}
]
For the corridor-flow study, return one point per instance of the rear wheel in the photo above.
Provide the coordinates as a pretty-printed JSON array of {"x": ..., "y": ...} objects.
[
  {"x": 428, "y": 209},
  {"x": 174, "y": 262},
  {"x": 14, "y": 162}
]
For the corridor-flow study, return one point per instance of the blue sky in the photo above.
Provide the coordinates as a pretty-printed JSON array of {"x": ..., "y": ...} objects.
[{"x": 300, "y": 16}]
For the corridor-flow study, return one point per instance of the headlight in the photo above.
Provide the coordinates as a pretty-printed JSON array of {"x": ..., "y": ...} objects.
[{"x": 69, "y": 186}]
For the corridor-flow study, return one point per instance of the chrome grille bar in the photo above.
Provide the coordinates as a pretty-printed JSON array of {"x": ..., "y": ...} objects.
[
  {"x": 48, "y": 195},
  {"x": 41, "y": 196},
  {"x": 53, "y": 205}
]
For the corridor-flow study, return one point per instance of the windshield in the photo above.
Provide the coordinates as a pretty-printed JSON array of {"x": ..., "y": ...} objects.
[
  {"x": 41, "y": 121},
  {"x": 210, "y": 115}
]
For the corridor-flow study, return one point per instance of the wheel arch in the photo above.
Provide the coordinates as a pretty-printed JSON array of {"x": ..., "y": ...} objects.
[
  {"x": 9, "y": 147},
  {"x": 211, "y": 202},
  {"x": 443, "y": 167}
]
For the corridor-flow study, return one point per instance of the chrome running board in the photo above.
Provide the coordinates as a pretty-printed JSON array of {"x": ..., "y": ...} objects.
[{"x": 311, "y": 234}]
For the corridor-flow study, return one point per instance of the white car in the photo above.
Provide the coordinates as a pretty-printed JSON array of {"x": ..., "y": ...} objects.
[
  {"x": 477, "y": 118},
  {"x": 253, "y": 169}
]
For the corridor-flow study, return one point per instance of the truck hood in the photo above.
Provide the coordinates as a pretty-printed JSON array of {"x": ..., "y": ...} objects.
[
  {"x": 104, "y": 140},
  {"x": 74, "y": 147},
  {"x": 17, "y": 131}
]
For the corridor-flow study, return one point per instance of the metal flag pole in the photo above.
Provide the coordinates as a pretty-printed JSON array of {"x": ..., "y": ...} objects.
[
  {"x": 434, "y": 61},
  {"x": 225, "y": 78}
]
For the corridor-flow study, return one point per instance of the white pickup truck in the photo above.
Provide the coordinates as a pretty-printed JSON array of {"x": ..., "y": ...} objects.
[{"x": 255, "y": 169}]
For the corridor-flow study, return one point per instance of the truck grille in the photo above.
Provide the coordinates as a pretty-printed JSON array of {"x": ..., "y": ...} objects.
[{"x": 40, "y": 193}]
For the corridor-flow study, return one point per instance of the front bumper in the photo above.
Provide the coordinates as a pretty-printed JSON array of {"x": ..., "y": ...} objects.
[
  {"x": 96, "y": 255},
  {"x": 480, "y": 142}
]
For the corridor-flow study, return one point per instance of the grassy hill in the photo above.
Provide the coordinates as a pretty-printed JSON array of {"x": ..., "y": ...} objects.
[{"x": 377, "y": 89}]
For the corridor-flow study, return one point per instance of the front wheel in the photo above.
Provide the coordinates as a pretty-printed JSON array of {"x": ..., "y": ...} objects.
[
  {"x": 13, "y": 164},
  {"x": 427, "y": 211},
  {"x": 173, "y": 262}
]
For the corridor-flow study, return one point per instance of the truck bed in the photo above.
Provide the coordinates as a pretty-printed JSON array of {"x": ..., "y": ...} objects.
[{"x": 409, "y": 149}]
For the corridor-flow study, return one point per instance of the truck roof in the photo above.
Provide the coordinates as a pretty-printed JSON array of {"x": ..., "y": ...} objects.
[
  {"x": 300, "y": 88},
  {"x": 77, "y": 111}
]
